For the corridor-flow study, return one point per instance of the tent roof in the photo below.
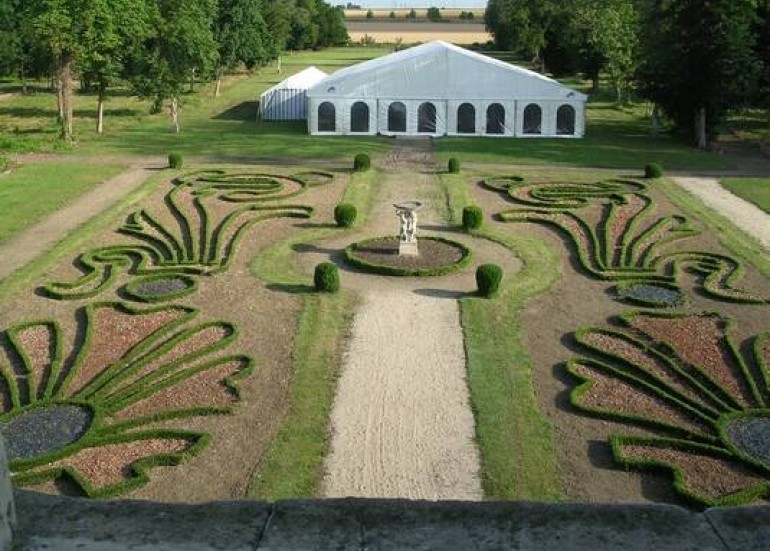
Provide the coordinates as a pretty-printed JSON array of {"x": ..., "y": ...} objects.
[
  {"x": 299, "y": 81},
  {"x": 439, "y": 70}
]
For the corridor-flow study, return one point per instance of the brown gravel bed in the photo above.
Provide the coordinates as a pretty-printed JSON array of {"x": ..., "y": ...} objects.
[{"x": 433, "y": 254}]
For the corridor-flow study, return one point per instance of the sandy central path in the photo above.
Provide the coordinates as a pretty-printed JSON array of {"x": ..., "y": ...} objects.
[{"x": 402, "y": 424}]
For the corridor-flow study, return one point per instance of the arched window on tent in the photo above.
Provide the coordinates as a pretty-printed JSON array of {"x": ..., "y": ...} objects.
[
  {"x": 495, "y": 119},
  {"x": 327, "y": 117},
  {"x": 359, "y": 117},
  {"x": 397, "y": 117},
  {"x": 426, "y": 118},
  {"x": 466, "y": 119},
  {"x": 533, "y": 119},
  {"x": 565, "y": 120}
]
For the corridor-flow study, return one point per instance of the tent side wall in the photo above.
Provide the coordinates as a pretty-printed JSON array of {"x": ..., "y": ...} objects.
[
  {"x": 490, "y": 118},
  {"x": 283, "y": 104}
]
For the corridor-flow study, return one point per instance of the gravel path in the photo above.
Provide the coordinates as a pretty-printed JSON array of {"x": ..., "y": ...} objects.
[
  {"x": 743, "y": 214},
  {"x": 41, "y": 237},
  {"x": 402, "y": 425}
]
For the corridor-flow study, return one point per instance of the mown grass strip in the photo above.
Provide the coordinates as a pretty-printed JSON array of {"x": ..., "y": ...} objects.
[
  {"x": 33, "y": 191},
  {"x": 293, "y": 466},
  {"x": 753, "y": 190},
  {"x": 515, "y": 440}
]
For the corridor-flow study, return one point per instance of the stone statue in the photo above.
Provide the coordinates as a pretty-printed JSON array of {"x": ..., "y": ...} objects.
[{"x": 407, "y": 214}]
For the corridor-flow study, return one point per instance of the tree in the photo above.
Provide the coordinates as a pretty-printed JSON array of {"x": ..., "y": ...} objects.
[
  {"x": 370, "y": 14},
  {"x": 433, "y": 14},
  {"x": 607, "y": 37},
  {"x": 277, "y": 15},
  {"x": 56, "y": 26},
  {"x": 412, "y": 14},
  {"x": 242, "y": 37},
  {"x": 392, "y": 15},
  {"x": 181, "y": 44},
  {"x": 109, "y": 28},
  {"x": 522, "y": 25},
  {"x": 698, "y": 60},
  {"x": 331, "y": 23}
]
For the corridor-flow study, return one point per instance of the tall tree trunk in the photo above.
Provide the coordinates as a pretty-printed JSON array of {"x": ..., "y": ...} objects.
[
  {"x": 192, "y": 80},
  {"x": 701, "y": 137},
  {"x": 655, "y": 120},
  {"x": 174, "y": 108},
  {"x": 23, "y": 76},
  {"x": 65, "y": 90},
  {"x": 218, "y": 85},
  {"x": 100, "y": 110}
]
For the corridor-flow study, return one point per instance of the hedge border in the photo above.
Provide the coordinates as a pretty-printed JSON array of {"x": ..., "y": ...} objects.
[
  {"x": 191, "y": 247},
  {"x": 641, "y": 256},
  {"x": 384, "y": 269},
  {"x": 716, "y": 406},
  {"x": 142, "y": 353}
]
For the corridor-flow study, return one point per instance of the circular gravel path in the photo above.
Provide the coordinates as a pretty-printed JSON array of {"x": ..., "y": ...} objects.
[{"x": 743, "y": 214}]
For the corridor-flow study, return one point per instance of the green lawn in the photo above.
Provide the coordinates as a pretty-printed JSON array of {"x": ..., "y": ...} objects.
[
  {"x": 754, "y": 190},
  {"x": 616, "y": 137},
  {"x": 32, "y": 191}
]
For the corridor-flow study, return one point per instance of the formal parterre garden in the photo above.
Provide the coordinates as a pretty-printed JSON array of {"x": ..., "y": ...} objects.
[{"x": 107, "y": 389}]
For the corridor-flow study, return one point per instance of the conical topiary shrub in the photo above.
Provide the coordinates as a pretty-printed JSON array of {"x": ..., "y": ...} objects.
[{"x": 473, "y": 217}]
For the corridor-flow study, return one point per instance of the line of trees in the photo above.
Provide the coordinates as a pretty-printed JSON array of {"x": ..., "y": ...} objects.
[
  {"x": 694, "y": 59},
  {"x": 158, "y": 47}
]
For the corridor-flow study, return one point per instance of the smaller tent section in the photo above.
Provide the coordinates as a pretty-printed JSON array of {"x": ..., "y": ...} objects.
[
  {"x": 438, "y": 89},
  {"x": 286, "y": 100}
]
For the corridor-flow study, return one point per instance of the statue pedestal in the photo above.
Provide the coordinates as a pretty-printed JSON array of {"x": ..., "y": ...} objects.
[{"x": 408, "y": 248}]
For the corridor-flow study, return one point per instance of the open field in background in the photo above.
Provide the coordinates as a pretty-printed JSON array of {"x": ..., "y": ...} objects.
[
  {"x": 451, "y": 14},
  {"x": 384, "y": 32}
]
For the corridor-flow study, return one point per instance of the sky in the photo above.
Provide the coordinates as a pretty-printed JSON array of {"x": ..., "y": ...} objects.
[{"x": 414, "y": 3}]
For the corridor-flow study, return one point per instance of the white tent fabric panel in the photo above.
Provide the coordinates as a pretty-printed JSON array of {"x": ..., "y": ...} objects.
[
  {"x": 287, "y": 100},
  {"x": 440, "y": 71},
  {"x": 439, "y": 89}
]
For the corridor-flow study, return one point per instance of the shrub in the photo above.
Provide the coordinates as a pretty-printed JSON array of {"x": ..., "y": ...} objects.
[
  {"x": 473, "y": 217},
  {"x": 361, "y": 162},
  {"x": 488, "y": 278},
  {"x": 454, "y": 165},
  {"x": 326, "y": 278},
  {"x": 345, "y": 215},
  {"x": 175, "y": 160},
  {"x": 653, "y": 170},
  {"x": 4, "y": 163}
]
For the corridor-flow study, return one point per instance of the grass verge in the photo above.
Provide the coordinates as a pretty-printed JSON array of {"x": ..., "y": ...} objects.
[
  {"x": 292, "y": 467},
  {"x": 76, "y": 241},
  {"x": 734, "y": 239},
  {"x": 32, "y": 191},
  {"x": 753, "y": 190},
  {"x": 515, "y": 440}
]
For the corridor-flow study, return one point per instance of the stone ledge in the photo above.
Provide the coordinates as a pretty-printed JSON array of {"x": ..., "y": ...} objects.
[{"x": 64, "y": 524}]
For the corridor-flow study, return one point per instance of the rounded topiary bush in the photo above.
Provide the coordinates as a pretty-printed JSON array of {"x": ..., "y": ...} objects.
[
  {"x": 488, "y": 278},
  {"x": 326, "y": 278},
  {"x": 362, "y": 162},
  {"x": 175, "y": 160},
  {"x": 345, "y": 215},
  {"x": 653, "y": 170},
  {"x": 473, "y": 217},
  {"x": 454, "y": 165}
]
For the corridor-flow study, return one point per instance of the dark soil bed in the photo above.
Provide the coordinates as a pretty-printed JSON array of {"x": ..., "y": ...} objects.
[{"x": 434, "y": 254}]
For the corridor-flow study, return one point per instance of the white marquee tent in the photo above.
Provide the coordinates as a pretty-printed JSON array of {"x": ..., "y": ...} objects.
[
  {"x": 440, "y": 89},
  {"x": 286, "y": 100}
]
